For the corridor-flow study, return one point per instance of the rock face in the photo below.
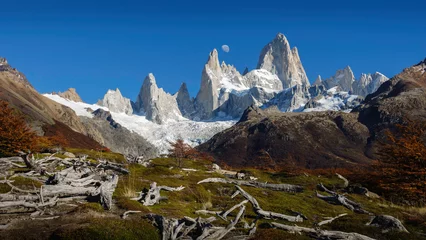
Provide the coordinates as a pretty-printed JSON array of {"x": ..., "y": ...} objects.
[
  {"x": 184, "y": 101},
  {"x": 344, "y": 78},
  {"x": 70, "y": 94},
  {"x": 155, "y": 103},
  {"x": 337, "y": 138},
  {"x": 295, "y": 98},
  {"x": 225, "y": 92},
  {"x": 277, "y": 58},
  {"x": 207, "y": 99},
  {"x": 333, "y": 99},
  {"x": 109, "y": 133},
  {"x": 115, "y": 102},
  {"x": 368, "y": 83}
]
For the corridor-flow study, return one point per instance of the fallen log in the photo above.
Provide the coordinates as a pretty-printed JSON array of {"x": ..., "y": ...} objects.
[
  {"x": 331, "y": 219},
  {"x": 267, "y": 214},
  {"x": 338, "y": 199},
  {"x": 322, "y": 234},
  {"x": 277, "y": 187}
]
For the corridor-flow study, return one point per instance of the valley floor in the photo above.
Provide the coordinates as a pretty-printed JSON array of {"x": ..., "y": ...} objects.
[{"x": 79, "y": 219}]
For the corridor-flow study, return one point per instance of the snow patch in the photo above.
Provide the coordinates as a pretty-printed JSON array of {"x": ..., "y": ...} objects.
[{"x": 192, "y": 132}]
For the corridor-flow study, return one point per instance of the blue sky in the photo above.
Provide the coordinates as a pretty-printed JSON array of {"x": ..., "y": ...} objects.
[{"x": 99, "y": 45}]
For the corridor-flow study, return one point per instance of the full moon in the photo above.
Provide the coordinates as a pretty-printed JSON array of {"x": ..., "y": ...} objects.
[{"x": 225, "y": 48}]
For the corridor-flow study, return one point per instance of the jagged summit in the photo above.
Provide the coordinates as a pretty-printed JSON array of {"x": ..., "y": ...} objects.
[
  {"x": 278, "y": 58},
  {"x": 5, "y": 67},
  {"x": 184, "y": 101},
  {"x": 115, "y": 102},
  {"x": 318, "y": 81},
  {"x": 70, "y": 94}
]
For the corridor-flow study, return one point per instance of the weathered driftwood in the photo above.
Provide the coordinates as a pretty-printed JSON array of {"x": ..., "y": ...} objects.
[
  {"x": 185, "y": 228},
  {"x": 79, "y": 180},
  {"x": 8, "y": 204},
  {"x": 277, "y": 187},
  {"x": 322, "y": 234},
  {"x": 152, "y": 196},
  {"x": 339, "y": 199},
  {"x": 219, "y": 234},
  {"x": 199, "y": 228},
  {"x": 346, "y": 182},
  {"x": 267, "y": 214},
  {"x": 105, "y": 192},
  {"x": 331, "y": 219},
  {"x": 127, "y": 213}
]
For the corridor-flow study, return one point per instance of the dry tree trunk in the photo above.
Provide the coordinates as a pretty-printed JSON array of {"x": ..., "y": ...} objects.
[
  {"x": 277, "y": 187},
  {"x": 338, "y": 199},
  {"x": 152, "y": 196},
  {"x": 267, "y": 214},
  {"x": 322, "y": 234}
]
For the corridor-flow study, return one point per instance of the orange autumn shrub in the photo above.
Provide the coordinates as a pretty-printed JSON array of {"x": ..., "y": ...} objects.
[
  {"x": 15, "y": 135},
  {"x": 401, "y": 168}
]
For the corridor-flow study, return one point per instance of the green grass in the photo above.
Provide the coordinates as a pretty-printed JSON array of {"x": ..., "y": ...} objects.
[
  {"x": 93, "y": 154},
  {"x": 25, "y": 183},
  {"x": 109, "y": 229},
  {"x": 216, "y": 196}
]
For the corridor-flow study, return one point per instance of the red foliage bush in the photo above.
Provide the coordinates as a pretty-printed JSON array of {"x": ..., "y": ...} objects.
[{"x": 15, "y": 135}]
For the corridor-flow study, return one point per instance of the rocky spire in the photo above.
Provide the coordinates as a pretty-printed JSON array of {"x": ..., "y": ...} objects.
[
  {"x": 344, "y": 78},
  {"x": 207, "y": 98},
  {"x": 184, "y": 101},
  {"x": 245, "y": 71},
  {"x": 278, "y": 58},
  {"x": 318, "y": 81},
  {"x": 71, "y": 94},
  {"x": 115, "y": 102},
  {"x": 157, "y": 105}
]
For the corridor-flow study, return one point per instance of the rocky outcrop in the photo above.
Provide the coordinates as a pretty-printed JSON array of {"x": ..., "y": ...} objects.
[
  {"x": 278, "y": 58},
  {"x": 295, "y": 98},
  {"x": 70, "y": 94},
  {"x": 184, "y": 101},
  {"x": 368, "y": 83},
  {"x": 344, "y": 78},
  {"x": 157, "y": 105},
  {"x": 318, "y": 81},
  {"x": 109, "y": 133},
  {"x": 263, "y": 79},
  {"x": 270, "y": 138},
  {"x": 115, "y": 102},
  {"x": 333, "y": 99},
  {"x": 17, "y": 76}
]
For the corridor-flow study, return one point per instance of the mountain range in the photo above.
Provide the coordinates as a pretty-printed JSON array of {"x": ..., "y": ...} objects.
[{"x": 155, "y": 117}]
